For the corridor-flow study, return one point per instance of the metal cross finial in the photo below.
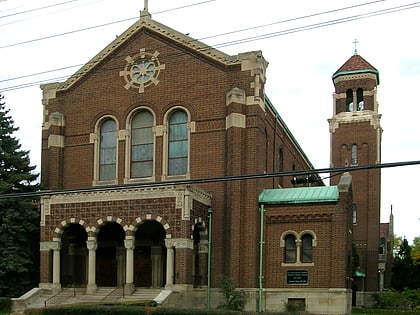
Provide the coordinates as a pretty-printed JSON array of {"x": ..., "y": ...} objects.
[{"x": 355, "y": 46}]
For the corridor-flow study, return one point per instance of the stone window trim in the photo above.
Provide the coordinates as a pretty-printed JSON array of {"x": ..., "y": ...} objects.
[
  {"x": 127, "y": 136},
  {"x": 165, "y": 150},
  {"x": 95, "y": 139},
  {"x": 298, "y": 239}
]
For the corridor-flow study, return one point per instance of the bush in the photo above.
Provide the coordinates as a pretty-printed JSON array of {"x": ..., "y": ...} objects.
[
  {"x": 5, "y": 305},
  {"x": 407, "y": 299},
  {"x": 235, "y": 300},
  {"x": 120, "y": 310}
]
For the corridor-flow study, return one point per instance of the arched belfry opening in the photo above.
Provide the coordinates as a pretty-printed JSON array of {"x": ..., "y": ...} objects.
[
  {"x": 110, "y": 255},
  {"x": 73, "y": 256},
  {"x": 150, "y": 255}
]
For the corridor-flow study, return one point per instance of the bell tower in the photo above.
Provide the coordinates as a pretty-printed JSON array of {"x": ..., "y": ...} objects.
[{"x": 355, "y": 138}]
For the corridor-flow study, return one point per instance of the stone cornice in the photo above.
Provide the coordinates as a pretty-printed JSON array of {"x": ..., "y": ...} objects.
[{"x": 354, "y": 117}]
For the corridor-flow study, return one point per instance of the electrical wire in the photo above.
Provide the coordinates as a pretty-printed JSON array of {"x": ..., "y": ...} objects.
[
  {"x": 253, "y": 38},
  {"x": 213, "y": 179}
]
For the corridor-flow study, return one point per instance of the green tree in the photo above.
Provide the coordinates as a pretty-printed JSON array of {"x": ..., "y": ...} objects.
[
  {"x": 415, "y": 250},
  {"x": 19, "y": 217},
  {"x": 402, "y": 268}
]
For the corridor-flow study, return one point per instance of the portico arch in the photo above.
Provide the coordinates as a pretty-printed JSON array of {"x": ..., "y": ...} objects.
[
  {"x": 110, "y": 255},
  {"x": 150, "y": 254}
]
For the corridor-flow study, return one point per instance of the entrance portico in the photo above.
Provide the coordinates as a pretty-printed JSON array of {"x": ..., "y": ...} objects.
[{"x": 125, "y": 246}]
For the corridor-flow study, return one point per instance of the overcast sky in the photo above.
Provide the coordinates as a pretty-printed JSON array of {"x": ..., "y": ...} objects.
[{"x": 304, "y": 41}]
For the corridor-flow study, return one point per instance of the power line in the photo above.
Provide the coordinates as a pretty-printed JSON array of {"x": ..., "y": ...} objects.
[
  {"x": 37, "y": 9},
  {"x": 249, "y": 39},
  {"x": 213, "y": 179}
]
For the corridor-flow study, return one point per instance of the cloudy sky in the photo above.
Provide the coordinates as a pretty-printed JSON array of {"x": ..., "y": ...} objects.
[{"x": 304, "y": 41}]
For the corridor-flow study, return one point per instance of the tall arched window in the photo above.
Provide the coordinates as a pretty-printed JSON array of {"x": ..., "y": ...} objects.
[
  {"x": 307, "y": 248},
  {"x": 178, "y": 143},
  {"x": 360, "y": 101},
  {"x": 349, "y": 100},
  {"x": 290, "y": 249},
  {"x": 354, "y": 160},
  {"x": 107, "y": 150},
  {"x": 142, "y": 147}
]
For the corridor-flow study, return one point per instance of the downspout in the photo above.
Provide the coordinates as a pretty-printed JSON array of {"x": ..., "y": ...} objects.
[
  {"x": 210, "y": 216},
  {"x": 260, "y": 290}
]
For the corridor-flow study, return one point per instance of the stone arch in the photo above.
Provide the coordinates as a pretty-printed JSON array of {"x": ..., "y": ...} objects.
[
  {"x": 148, "y": 217},
  {"x": 59, "y": 229},
  {"x": 310, "y": 232},
  {"x": 282, "y": 237},
  {"x": 102, "y": 221}
]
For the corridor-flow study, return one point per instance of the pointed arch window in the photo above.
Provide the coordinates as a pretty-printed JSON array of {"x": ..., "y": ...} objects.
[
  {"x": 178, "y": 143},
  {"x": 107, "y": 150},
  {"x": 142, "y": 145},
  {"x": 349, "y": 100}
]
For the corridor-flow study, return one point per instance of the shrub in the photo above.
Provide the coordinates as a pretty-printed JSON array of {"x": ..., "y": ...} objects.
[
  {"x": 407, "y": 299},
  {"x": 5, "y": 305},
  {"x": 235, "y": 300}
]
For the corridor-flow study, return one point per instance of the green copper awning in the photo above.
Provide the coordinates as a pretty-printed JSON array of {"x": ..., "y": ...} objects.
[{"x": 299, "y": 195}]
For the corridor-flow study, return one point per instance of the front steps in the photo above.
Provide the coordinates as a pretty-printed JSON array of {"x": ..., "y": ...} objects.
[{"x": 37, "y": 298}]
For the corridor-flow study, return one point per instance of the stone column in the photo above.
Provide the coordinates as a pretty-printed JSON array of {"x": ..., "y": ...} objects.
[
  {"x": 56, "y": 285},
  {"x": 92, "y": 245},
  {"x": 169, "y": 263},
  {"x": 129, "y": 287}
]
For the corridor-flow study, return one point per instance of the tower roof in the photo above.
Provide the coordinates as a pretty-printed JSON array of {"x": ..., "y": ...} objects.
[{"x": 356, "y": 64}]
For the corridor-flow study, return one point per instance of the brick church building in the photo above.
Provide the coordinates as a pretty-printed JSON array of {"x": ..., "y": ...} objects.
[{"x": 160, "y": 137}]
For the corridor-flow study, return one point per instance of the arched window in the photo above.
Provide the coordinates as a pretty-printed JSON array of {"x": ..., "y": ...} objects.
[
  {"x": 107, "y": 150},
  {"x": 360, "y": 101},
  {"x": 178, "y": 143},
  {"x": 290, "y": 249},
  {"x": 349, "y": 100},
  {"x": 307, "y": 248},
  {"x": 142, "y": 145},
  {"x": 354, "y": 154}
]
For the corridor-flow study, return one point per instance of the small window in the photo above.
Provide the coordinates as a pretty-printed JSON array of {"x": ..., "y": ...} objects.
[
  {"x": 354, "y": 154},
  {"x": 142, "y": 148},
  {"x": 290, "y": 249},
  {"x": 354, "y": 208},
  {"x": 349, "y": 100},
  {"x": 360, "y": 101},
  {"x": 178, "y": 143},
  {"x": 307, "y": 248},
  {"x": 107, "y": 150}
]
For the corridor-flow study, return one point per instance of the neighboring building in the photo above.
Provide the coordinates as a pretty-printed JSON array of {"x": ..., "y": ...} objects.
[
  {"x": 356, "y": 141},
  {"x": 157, "y": 130}
]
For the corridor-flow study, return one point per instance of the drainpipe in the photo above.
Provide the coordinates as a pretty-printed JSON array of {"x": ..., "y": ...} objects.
[
  {"x": 260, "y": 290},
  {"x": 210, "y": 216}
]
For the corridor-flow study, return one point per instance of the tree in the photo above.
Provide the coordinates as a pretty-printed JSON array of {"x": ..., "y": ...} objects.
[
  {"x": 415, "y": 250},
  {"x": 19, "y": 217},
  {"x": 402, "y": 268}
]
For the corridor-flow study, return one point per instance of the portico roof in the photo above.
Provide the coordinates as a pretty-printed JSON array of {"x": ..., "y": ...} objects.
[{"x": 299, "y": 195}]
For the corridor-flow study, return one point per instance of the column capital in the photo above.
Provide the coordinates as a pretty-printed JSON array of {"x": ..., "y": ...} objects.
[
  {"x": 129, "y": 244},
  {"x": 91, "y": 244},
  {"x": 179, "y": 243}
]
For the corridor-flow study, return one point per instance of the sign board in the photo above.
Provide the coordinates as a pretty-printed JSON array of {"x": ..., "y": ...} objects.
[{"x": 297, "y": 276}]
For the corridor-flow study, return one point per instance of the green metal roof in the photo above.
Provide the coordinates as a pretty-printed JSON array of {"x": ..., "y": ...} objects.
[{"x": 299, "y": 195}]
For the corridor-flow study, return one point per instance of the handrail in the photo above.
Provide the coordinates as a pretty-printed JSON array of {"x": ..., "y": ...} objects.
[
  {"x": 116, "y": 296},
  {"x": 58, "y": 293}
]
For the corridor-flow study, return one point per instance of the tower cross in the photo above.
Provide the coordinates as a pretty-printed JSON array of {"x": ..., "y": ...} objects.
[{"x": 355, "y": 46}]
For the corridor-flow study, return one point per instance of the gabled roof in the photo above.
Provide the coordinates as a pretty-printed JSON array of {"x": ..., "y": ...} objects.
[
  {"x": 145, "y": 22},
  {"x": 356, "y": 64},
  {"x": 299, "y": 195}
]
